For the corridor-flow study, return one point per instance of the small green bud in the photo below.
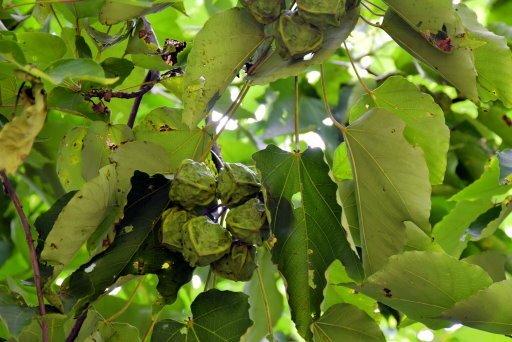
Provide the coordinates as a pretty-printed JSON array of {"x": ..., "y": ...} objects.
[
  {"x": 193, "y": 185},
  {"x": 239, "y": 264},
  {"x": 204, "y": 241}
]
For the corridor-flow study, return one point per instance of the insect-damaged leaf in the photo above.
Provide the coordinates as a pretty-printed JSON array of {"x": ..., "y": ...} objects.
[
  {"x": 221, "y": 48},
  {"x": 305, "y": 219},
  {"x": 81, "y": 217},
  {"x": 17, "y": 136},
  {"x": 391, "y": 185},
  {"x": 216, "y": 316},
  {"x": 146, "y": 201}
]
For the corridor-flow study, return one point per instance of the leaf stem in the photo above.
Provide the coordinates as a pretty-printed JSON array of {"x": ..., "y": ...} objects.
[
  {"x": 265, "y": 302},
  {"x": 296, "y": 114},
  {"x": 369, "y": 22},
  {"x": 207, "y": 279},
  {"x": 128, "y": 302},
  {"x": 370, "y": 10},
  {"x": 150, "y": 329},
  {"x": 374, "y": 5},
  {"x": 365, "y": 87},
  {"x": 73, "y": 334},
  {"x": 335, "y": 122},
  {"x": 33, "y": 256}
]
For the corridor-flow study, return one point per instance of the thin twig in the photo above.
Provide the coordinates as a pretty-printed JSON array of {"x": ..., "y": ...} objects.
[
  {"x": 73, "y": 334},
  {"x": 375, "y": 5},
  {"x": 371, "y": 11},
  {"x": 128, "y": 302},
  {"x": 369, "y": 22},
  {"x": 207, "y": 279},
  {"x": 265, "y": 302},
  {"x": 296, "y": 114},
  {"x": 335, "y": 122},
  {"x": 33, "y": 256},
  {"x": 365, "y": 87},
  {"x": 152, "y": 75}
]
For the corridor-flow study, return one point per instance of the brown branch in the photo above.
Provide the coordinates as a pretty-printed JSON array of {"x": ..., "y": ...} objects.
[
  {"x": 33, "y": 256},
  {"x": 73, "y": 334}
]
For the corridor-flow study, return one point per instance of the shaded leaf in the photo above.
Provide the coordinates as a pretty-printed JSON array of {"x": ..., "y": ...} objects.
[
  {"x": 217, "y": 316},
  {"x": 81, "y": 217},
  {"x": 69, "y": 101},
  {"x": 221, "y": 48},
  {"x": 116, "y": 11},
  {"x": 117, "y": 68},
  {"x": 349, "y": 215},
  {"x": 68, "y": 71},
  {"x": 305, "y": 219},
  {"x": 424, "y": 293},
  {"x": 391, "y": 185},
  {"x": 505, "y": 161},
  {"x": 146, "y": 201},
  {"x": 485, "y": 310},
  {"x": 113, "y": 332},
  {"x": 14, "y": 314},
  {"x": 276, "y": 67},
  {"x": 457, "y": 68},
  {"x": 491, "y": 261},
  {"x": 424, "y": 120},
  {"x": 33, "y": 45},
  {"x": 103, "y": 40},
  {"x": 17, "y": 136},
  {"x": 346, "y": 322}
]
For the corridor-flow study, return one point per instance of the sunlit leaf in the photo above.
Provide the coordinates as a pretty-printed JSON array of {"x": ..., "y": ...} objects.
[
  {"x": 306, "y": 222},
  {"x": 275, "y": 67},
  {"x": 485, "y": 310},
  {"x": 81, "y": 217},
  {"x": 346, "y": 322},
  {"x": 221, "y": 48},
  {"x": 64, "y": 71},
  {"x": 424, "y": 120},
  {"x": 116, "y": 11},
  {"x": 457, "y": 67},
  {"x": 17, "y": 136},
  {"x": 425, "y": 284},
  {"x": 33, "y": 43},
  {"x": 217, "y": 316},
  {"x": 391, "y": 185},
  {"x": 69, "y": 162}
]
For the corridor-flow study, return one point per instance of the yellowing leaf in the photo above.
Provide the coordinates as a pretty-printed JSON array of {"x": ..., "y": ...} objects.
[{"x": 17, "y": 136}]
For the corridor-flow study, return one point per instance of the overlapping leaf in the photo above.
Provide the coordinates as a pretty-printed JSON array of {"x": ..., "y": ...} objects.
[
  {"x": 424, "y": 120},
  {"x": 217, "y": 316},
  {"x": 305, "y": 219},
  {"x": 391, "y": 185},
  {"x": 221, "y": 48},
  {"x": 423, "y": 285}
]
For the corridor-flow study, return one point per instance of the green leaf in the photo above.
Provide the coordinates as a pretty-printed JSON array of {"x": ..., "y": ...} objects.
[
  {"x": 80, "y": 9},
  {"x": 69, "y": 71},
  {"x": 81, "y": 216},
  {"x": 493, "y": 60},
  {"x": 56, "y": 329},
  {"x": 275, "y": 67},
  {"x": 99, "y": 142},
  {"x": 391, "y": 185},
  {"x": 41, "y": 48},
  {"x": 306, "y": 222},
  {"x": 146, "y": 201},
  {"x": 341, "y": 169},
  {"x": 113, "y": 332},
  {"x": 117, "y": 68},
  {"x": 83, "y": 50},
  {"x": 492, "y": 262},
  {"x": 424, "y": 120},
  {"x": 457, "y": 67},
  {"x": 116, "y": 11},
  {"x": 346, "y": 322},
  {"x": 13, "y": 314},
  {"x": 349, "y": 215},
  {"x": 505, "y": 161},
  {"x": 69, "y": 160},
  {"x": 104, "y": 41},
  {"x": 485, "y": 310},
  {"x": 69, "y": 101},
  {"x": 496, "y": 119},
  {"x": 423, "y": 285},
  {"x": 163, "y": 126},
  {"x": 217, "y": 316},
  {"x": 221, "y": 48}
]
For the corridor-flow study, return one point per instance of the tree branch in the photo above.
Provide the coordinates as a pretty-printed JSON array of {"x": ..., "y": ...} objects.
[
  {"x": 33, "y": 256},
  {"x": 73, "y": 334}
]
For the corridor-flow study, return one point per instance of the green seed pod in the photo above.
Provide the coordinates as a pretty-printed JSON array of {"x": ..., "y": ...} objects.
[
  {"x": 264, "y": 11},
  {"x": 239, "y": 264},
  {"x": 204, "y": 241},
  {"x": 172, "y": 226},
  {"x": 193, "y": 185},
  {"x": 295, "y": 37},
  {"x": 236, "y": 183},
  {"x": 245, "y": 222},
  {"x": 322, "y": 12}
]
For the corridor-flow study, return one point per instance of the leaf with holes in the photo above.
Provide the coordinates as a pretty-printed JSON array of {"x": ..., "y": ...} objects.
[
  {"x": 216, "y": 316},
  {"x": 221, "y": 48},
  {"x": 305, "y": 219},
  {"x": 391, "y": 185}
]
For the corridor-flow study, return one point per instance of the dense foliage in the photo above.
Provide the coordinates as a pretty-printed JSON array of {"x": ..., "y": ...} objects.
[{"x": 159, "y": 184}]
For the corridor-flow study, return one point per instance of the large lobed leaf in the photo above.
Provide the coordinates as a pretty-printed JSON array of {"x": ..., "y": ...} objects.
[
  {"x": 424, "y": 120},
  {"x": 305, "y": 219},
  {"x": 425, "y": 284},
  {"x": 217, "y": 316},
  {"x": 391, "y": 185},
  {"x": 221, "y": 48}
]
